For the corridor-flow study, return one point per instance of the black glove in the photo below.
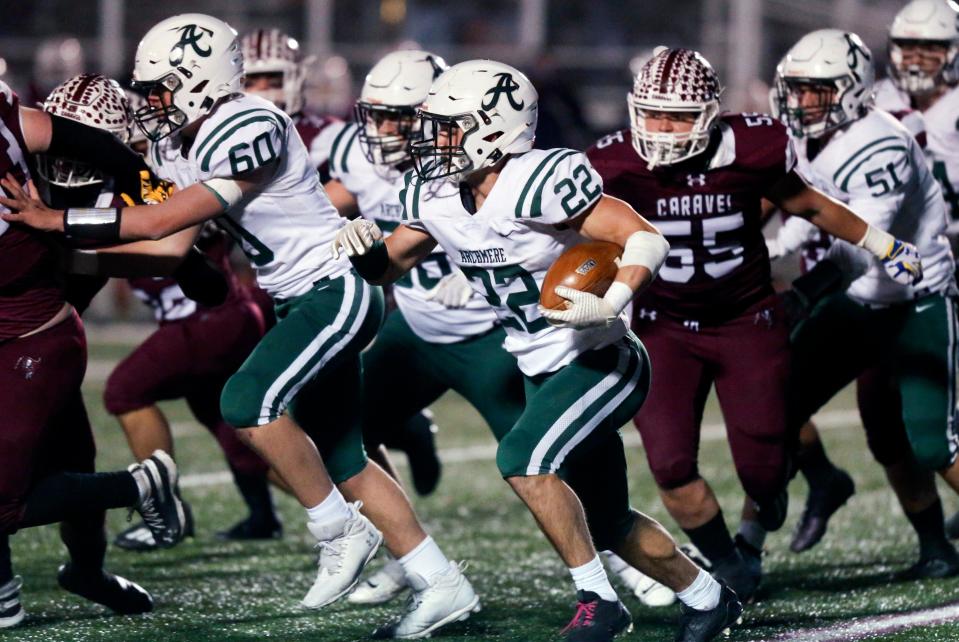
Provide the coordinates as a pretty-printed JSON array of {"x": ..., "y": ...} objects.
[{"x": 201, "y": 280}]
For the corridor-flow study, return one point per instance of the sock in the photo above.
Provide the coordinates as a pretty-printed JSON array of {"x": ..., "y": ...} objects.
[
  {"x": 815, "y": 466},
  {"x": 255, "y": 491},
  {"x": 753, "y": 533},
  {"x": 64, "y": 496},
  {"x": 426, "y": 560},
  {"x": 394, "y": 569},
  {"x": 86, "y": 541},
  {"x": 591, "y": 576},
  {"x": 712, "y": 538},
  {"x": 331, "y": 513},
  {"x": 616, "y": 563},
  {"x": 6, "y": 567},
  {"x": 930, "y": 527},
  {"x": 703, "y": 594}
]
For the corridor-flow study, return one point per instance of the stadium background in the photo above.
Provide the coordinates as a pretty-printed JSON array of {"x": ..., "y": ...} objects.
[{"x": 578, "y": 52}]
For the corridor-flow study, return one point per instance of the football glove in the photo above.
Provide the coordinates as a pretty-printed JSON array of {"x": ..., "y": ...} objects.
[
  {"x": 356, "y": 238},
  {"x": 903, "y": 263},
  {"x": 153, "y": 190},
  {"x": 453, "y": 291},
  {"x": 586, "y": 310}
]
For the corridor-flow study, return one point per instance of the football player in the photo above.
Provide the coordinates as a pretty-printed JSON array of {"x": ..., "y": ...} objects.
[
  {"x": 866, "y": 158},
  {"x": 503, "y": 213},
  {"x": 276, "y": 70},
  {"x": 923, "y": 75},
  {"x": 447, "y": 336},
  {"x": 235, "y": 158},
  {"x": 197, "y": 346},
  {"x": 47, "y": 462},
  {"x": 712, "y": 317}
]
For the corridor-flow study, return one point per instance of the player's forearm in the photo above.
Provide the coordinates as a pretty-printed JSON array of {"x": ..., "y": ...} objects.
[{"x": 838, "y": 220}]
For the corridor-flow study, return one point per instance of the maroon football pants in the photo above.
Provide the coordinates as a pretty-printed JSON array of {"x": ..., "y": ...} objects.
[
  {"x": 747, "y": 359},
  {"x": 44, "y": 427},
  {"x": 192, "y": 359}
]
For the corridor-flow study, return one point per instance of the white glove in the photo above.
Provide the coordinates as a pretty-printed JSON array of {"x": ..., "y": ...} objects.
[
  {"x": 586, "y": 310},
  {"x": 453, "y": 290},
  {"x": 356, "y": 238},
  {"x": 903, "y": 263}
]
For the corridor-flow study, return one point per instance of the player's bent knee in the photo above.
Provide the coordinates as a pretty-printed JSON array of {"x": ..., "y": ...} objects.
[
  {"x": 675, "y": 474},
  {"x": 120, "y": 397},
  {"x": 933, "y": 455},
  {"x": 609, "y": 532},
  {"x": 241, "y": 400},
  {"x": 512, "y": 461}
]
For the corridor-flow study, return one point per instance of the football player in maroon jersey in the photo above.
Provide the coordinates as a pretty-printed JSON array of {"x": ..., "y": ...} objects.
[
  {"x": 47, "y": 454},
  {"x": 712, "y": 317}
]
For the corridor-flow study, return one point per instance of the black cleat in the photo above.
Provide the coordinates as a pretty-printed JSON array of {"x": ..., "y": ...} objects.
[
  {"x": 248, "y": 529},
  {"x": 937, "y": 566},
  {"x": 952, "y": 526},
  {"x": 597, "y": 620},
  {"x": 419, "y": 444},
  {"x": 112, "y": 591},
  {"x": 160, "y": 505},
  {"x": 740, "y": 573},
  {"x": 701, "y": 626},
  {"x": 820, "y": 506},
  {"x": 752, "y": 556},
  {"x": 11, "y": 611},
  {"x": 139, "y": 537}
]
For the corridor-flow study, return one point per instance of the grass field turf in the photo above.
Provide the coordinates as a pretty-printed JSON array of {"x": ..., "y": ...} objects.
[{"x": 209, "y": 590}]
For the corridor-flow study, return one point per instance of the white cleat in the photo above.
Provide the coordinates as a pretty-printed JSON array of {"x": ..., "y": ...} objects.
[
  {"x": 382, "y": 586},
  {"x": 448, "y": 598},
  {"x": 343, "y": 555},
  {"x": 652, "y": 593},
  {"x": 11, "y": 611}
]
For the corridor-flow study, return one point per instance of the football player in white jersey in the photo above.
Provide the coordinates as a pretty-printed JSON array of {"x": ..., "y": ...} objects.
[
  {"x": 446, "y": 335},
  {"x": 503, "y": 215},
  {"x": 866, "y": 158},
  {"x": 924, "y": 75},
  {"x": 237, "y": 159}
]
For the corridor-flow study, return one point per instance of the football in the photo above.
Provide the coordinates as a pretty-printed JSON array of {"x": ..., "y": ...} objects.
[{"x": 590, "y": 267}]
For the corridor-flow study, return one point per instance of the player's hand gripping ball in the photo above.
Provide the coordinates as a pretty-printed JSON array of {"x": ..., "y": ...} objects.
[{"x": 589, "y": 267}]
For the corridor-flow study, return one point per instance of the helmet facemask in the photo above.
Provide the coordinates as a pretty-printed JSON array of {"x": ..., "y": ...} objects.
[
  {"x": 914, "y": 77},
  {"x": 160, "y": 117},
  {"x": 812, "y": 107},
  {"x": 66, "y": 172},
  {"x": 387, "y": 131},
  {"x": 669, "y": 148},
  {"x": 436, "y": 156}
]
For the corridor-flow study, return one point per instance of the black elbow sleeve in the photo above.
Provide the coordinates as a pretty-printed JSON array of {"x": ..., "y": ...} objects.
[{"x": 103, "y": 150}]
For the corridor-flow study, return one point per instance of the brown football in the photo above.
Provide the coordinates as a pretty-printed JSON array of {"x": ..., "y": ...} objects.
[{"x": 589, "y": 266}]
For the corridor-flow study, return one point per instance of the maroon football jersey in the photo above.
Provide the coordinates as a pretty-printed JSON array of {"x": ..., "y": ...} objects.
[
  {"x": 164, "y": 295},
  {"x": 709, "y": 209},
  {"x": 31, "y": 289}
]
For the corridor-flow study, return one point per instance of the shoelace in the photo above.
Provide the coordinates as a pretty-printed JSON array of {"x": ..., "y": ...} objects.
[
  {"x": 151, "y": 516},
  {"x": 585, "y": 612},
  {"x": 330, "y": 550}
]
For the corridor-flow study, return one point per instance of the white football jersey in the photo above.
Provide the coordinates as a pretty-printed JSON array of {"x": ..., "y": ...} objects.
[
  {"x": 508, "y": 244},
  {"x": 287, "y": 226},
  {"x": 877, "y": 168},
  {"x": 377, "y": 192}
]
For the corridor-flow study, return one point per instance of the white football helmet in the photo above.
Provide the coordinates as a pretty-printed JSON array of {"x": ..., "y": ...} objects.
[
  {"x": 194, "y": 57},
  {"x": 673, "y": 80},
  {"x": 92, "y": 100},
  {"x": 270, "y": 51},
  {"x": 386, "y": 111},
  {"x": 494, "y": 106},
  {"x": 832, "y": 67},
  {"x": 924, "y": 22}
]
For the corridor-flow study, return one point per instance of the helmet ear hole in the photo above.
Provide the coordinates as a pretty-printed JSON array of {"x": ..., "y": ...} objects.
[{"x": 492, "y": 137}]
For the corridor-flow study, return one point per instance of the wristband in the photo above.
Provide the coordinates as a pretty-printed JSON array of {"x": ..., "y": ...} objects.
[
  {"x": 877, "y": 241},
  {"x": 618, "y": 296},
  {"x": 92, "y": 223},
  {"x": 373, "y": 264}
]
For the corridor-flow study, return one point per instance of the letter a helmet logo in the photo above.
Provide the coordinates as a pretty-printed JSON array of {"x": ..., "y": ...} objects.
[
  {"x": 190, "y": 35},
  {"x": 505, "y": 85}
]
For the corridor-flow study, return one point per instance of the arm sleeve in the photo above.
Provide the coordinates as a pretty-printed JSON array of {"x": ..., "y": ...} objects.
[
  {"x": 99, "y": 148},
  {"x": 252, "y": 143},
  {"x": 562, "y": 186}
]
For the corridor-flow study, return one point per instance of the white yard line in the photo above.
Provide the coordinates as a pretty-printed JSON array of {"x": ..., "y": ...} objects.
[
  {"x": 829, "y": 420},
  {"x": 860, "y": 628}
]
